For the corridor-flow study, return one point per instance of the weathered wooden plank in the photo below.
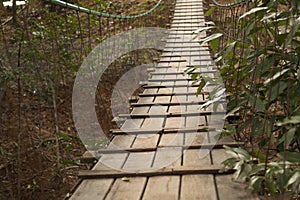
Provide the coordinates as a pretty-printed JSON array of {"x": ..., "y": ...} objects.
[
  {"x": 197, "y": 186},
  {"x": 164, "y": 187},
  {"x": 98, "y": 189},
  {"x": 92, "y": 189},
  {"x": 172, "y": 140},
  {"x": 172, "y": 94},
  {"x": 151, "y": 85},
  {"x": 172, "y": 126},
  {"x": 181, "y": 170},
  {"x": 229, "y": 189},
  {"x": 219, "y": 155},
  {"x": 88, "y": 158},
  {"x": 149, "y": 140},
  {"x": 179, "y": 5},
  {"x": 169, "y": 103},
  {"x": 174, "y": 114},
  {"x": 197, "y": 146},
  {"x": 193, "y": 14},
  {"x": 124, "y": 190}
]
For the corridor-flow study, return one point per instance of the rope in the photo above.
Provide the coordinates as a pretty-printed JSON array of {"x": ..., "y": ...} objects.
[
  {"x": 236, "y": 2},
  {"x": 95, "y": 12}
]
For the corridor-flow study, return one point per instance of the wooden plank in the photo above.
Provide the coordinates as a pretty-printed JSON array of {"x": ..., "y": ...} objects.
[
  {"x": 187, "y": 17},
  {"x": 179, "y": 5},
  {"x": 131, "y": 189},
  {"x": 197, "y": 186},
  {"x": 181, "y": 170},
  {"x": 148, "y": 140},
  {"x": 192, "y": 29},
  {"x": 150, "y": 85},
  {"x": 188, "y": 25},
  {"x": 219, "y": 155},
  {"x": 124, "y": 190},
  {"x": 88, "y": 158},
  {"x": 194, "y": 14},
  {"x": 171, "y": 94},
  {"x": 205, "y": 50},
  {"x": 183, "y": 54},
  {"x": 165, "y": 145},
  {"x": 229, "y": 189},
  {"x": 168, "y": 114},
  {"x": 97, "y": 189},
  {"x": 172, "y": 140},
  {"x": 164, "y": 187},
  {"x": 92, "y": 189},
  {"x": 170, "y": 79},
  {"x": 168, "y": 129},
  {"x": 179, "y": 45},
  {"x": 169, "y": 103}
]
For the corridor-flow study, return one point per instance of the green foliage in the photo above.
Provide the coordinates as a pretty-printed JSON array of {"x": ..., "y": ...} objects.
[{"x": 258, "y": 54}]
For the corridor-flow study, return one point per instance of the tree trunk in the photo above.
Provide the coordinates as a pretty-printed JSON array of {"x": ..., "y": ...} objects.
[
  {"x": 14, "y": 12},
  {"x": 2, "y": 9}
]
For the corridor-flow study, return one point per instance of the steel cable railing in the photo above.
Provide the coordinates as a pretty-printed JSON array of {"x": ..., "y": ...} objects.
[{"x": 102, "y": 14}]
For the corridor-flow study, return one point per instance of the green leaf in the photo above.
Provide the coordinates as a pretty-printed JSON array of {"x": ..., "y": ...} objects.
[
  {"x": 295, "y": 177},
  {"x": 233, "y": 111},
  {"x": 215, "y": 44},
  {"x": 293, "y": 157},
  {"x": 210, "y": 38},
  {"x": 200, "y": 30},
  {"x": 253, "y": 10},
  {"x": 294, "y": 29},
  {"x": 288, "y": 137},
  {"x": 261, "y": 157},
  {"x": 244, "y": 170},
  {"x": 289, "y": 120},
  {"x": 125, "y": 179},
  {"x": 194, "y": 76},
  {"x": 210, "y": 11},
  {"x": 70, "y": 162},
  {"x": 270, "y": 184},
  {"x": 229, "y": 49},
  {"x": 276, "y": 76},
  {"x": 230, "y": 162},
  {"x": 255, "y": 182},
  {"x": 201, "y": 86},
  {"x": 277, "y": 89},
  {"x": 257, "y": 103},
  {"x": 64, "y": 136},
  {"x": 242, "y": 153}
]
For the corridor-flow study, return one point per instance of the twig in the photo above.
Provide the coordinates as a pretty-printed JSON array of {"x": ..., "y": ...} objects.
[
  {"x": 19, "y": 121},
  {"x": 56, "y": 125}
]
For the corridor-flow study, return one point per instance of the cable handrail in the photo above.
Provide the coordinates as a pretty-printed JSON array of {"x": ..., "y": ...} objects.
[
  {"x": 102, "y": 14},
  {"x": 236, "y": 2}
]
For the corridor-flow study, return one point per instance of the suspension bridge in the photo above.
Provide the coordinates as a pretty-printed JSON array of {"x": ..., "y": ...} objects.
[{"x": 168, "y": 146}]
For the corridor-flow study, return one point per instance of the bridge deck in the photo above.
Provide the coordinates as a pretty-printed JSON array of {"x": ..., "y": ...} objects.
[{"x": 154, "y": 163}]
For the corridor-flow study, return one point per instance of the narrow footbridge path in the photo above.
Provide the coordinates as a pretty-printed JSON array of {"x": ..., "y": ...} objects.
[{"x": 173, "y": 153}]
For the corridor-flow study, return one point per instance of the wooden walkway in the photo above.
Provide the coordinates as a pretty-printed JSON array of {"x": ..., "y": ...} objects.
[{"x": 168, "y": 154}]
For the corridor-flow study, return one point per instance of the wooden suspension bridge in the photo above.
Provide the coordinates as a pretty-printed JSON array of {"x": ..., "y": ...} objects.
[{"x": 170, "y": 155}]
